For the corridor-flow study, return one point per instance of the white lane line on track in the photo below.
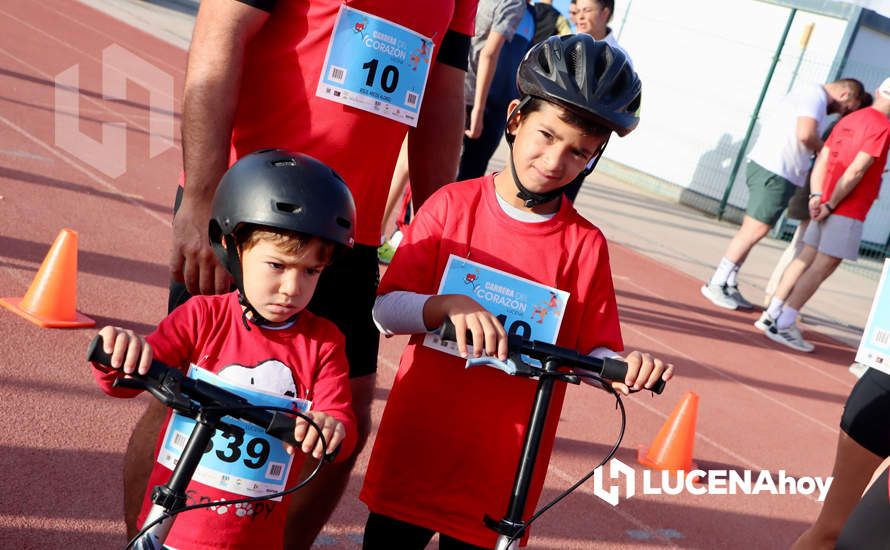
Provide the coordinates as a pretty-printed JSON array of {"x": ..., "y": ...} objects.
[
  {"x": 630, "y": 518},
  {"x": 76, "y": 525},
  {"x": 143, "y": 53},
  {"x": 746, "y": 336},
  {"x": 756, "y": 391},
  {"x": 107, "y": 185},
  {"x": 67, "y": 45},
  {"x": 102, "y": 106},
  {"x": 729, "y": 376}
]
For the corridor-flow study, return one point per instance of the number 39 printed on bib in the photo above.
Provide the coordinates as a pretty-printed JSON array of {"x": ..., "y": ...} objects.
[
  {"x": 241, "y": 457},
  {"x": 376, "y": 65},
  {"x": 524, "y": 307}
]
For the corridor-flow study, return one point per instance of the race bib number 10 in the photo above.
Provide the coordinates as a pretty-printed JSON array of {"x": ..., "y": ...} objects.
[
  {"x": 375, "y": 65},
  {"x": 524, "y": 307}
]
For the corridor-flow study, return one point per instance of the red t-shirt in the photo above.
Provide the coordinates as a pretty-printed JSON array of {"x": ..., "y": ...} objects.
[
  {"x": 207, "y": 331},
  {"x": 277, "y": 105},
  {"x": 450, "y": 438},
  {"x": 866, "y": 130}
]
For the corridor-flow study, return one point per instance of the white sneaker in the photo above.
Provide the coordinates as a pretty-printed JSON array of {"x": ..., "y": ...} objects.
[
  {"x": 764, "y": 322},
  {"x": 733, "y": 292},
  {"x": 717, "y": 295},
  {"x": 790, "y": 337}
]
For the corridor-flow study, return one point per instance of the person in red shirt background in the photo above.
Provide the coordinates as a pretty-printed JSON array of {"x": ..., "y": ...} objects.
[
  {"x": 854, "y": 159},
  {"x": 845, "y": 181}
]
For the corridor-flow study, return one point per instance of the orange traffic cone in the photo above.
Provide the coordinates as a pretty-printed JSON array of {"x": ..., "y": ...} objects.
[
  {"x": 672, "y": 448},
  {"x": 51, "y": 300}
]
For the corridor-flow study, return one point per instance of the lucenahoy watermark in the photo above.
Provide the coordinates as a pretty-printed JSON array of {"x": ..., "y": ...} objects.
[{"x": 705, "y": 482}]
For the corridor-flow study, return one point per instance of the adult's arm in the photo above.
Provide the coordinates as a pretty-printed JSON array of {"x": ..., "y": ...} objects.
[
  {"x": 817, "y": 181},
  {"x": 850, "y": 178},
  {"x": 213, "y": 76},
  {"x": 488, "y": 62},
  {"x": 808, "y": 133},
  {"x": 434, "y": 145}
]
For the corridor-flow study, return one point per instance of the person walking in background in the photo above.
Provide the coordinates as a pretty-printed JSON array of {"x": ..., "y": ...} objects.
[
  {"x": 496, "y": 24},
  {"x": 478, "y": 149},
  {"x": 798, "y": 209},
  {"x": 778, "y": 164},
  {"x": 846, "y": 181},
  {"x": 592, "y": 17}
]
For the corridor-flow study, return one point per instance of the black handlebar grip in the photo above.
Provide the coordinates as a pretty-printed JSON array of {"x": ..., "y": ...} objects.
[
  {"x": 96, "y": 354},
  {"x": 616, "y": 369}
]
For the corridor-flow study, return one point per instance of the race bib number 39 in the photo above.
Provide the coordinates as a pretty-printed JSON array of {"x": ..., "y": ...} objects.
[
  {"x": 241, "y": 458},
  {"x": 524, "y": 307},
  {"x": 375, "y": 65}
]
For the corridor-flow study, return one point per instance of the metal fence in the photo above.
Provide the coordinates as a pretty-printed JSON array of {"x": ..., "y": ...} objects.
[{"x": 711, "y": 190}]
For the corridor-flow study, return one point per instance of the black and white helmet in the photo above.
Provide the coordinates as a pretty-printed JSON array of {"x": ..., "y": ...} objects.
[{"x": 586, "y": 76}]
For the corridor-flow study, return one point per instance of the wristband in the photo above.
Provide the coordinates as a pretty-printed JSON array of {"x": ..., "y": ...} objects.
[
  {"x": 815, "y": 195},
  {"x": 828, "y": 206}
]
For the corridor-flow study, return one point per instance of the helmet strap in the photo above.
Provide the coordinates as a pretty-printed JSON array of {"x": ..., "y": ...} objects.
[
  {"x": 233, "y": 265},
  {"x": 530, "y": 198}
]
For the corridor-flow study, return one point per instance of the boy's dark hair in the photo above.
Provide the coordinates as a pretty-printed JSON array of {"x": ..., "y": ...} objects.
[
  {"x": 292, "y": 242},
  {"x": 587, "y": 125}
]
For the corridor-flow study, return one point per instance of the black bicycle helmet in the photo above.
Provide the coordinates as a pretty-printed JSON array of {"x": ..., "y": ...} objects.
[
  {"x": 585, "y": 76},
  {"x": 282, "y": 190}
]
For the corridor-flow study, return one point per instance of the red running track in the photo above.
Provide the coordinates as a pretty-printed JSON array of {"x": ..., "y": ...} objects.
[{"x": 63, "y": 441}]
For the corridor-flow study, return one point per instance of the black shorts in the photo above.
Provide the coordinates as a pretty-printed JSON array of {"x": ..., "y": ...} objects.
[
  {"x": 866, "y": 417},
  {"x": 386, "y": 532},
  {"x": 345, "y": 295},
  {"x": 867, "y": 527}
]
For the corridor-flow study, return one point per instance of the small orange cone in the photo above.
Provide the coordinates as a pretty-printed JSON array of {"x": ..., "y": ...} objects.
[
  {"x": 672, "y": 448},
  {"x": 51, "y": 300}
]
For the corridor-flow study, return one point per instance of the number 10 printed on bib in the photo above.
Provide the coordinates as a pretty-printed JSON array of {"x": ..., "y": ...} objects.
[
  {"x": 376, "y": 65},
  {"x": 523, "y": 307}
]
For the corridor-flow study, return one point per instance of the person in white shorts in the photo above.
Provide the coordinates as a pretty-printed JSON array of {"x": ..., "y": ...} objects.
[
  {"x": 777, "y": 165},
  {"x": 845, "y": 182}
]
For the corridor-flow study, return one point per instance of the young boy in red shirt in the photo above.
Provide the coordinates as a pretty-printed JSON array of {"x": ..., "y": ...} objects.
[
  {"x": 450, "y": 437},
  {"x": 277, "y": 220}
]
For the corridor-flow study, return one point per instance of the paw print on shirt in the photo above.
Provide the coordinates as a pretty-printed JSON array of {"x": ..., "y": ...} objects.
[
  {"x": 243, "y": 509},
  {"x": 220, "y": 508}
]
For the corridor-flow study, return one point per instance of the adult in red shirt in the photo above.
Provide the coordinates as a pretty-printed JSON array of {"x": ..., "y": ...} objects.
[
  {"x": 254, "y": 67},
  {"x": 846, "y": 180}
]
